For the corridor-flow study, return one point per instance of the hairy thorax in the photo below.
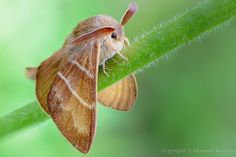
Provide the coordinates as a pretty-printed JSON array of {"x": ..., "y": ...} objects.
[{"x": 109, "y": 48}]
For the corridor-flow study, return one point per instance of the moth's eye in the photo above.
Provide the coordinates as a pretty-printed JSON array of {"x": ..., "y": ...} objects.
[{"x": 114, "y": 35}]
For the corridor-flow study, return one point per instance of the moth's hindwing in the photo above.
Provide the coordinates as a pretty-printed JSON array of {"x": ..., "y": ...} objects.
[
  {"x": 72, "y": 97},
  {"x": 121, "y": 95}
]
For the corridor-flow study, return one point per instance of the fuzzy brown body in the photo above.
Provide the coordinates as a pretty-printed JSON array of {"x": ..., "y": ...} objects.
[
  {"x": 66, "y": 83},
  {"x": 108, "y": 46}
]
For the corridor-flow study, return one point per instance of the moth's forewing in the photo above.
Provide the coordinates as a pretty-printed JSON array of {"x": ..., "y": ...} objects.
[
  {"x": 72, "y": 97},
  {"x": 45, "y": 77},
  {"x": 121, "y": 95}
]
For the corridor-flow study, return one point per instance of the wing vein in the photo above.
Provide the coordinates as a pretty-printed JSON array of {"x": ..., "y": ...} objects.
[
  {"x": 88, "y": 73},
  {"x": 83, "y": 102}
]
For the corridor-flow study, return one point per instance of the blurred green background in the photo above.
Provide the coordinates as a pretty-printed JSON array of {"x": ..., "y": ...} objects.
[{"x": 185, "y": 102}]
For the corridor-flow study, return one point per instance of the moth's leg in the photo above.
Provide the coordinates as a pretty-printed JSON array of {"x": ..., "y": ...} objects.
[
  {"x": 103, "y": 62},
  {"x": 126, "y": 43},
  {"x": 122, "y": 56},
  {"x": 104, "y": 69}
]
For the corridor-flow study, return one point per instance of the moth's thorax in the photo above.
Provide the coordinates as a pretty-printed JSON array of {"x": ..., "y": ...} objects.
[
  {"x": 108, "y": 45},
  {"x": 93, "y": 23}
]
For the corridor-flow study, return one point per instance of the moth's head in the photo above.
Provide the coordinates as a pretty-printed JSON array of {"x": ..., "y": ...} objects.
[{"x": 105, "y": 29}]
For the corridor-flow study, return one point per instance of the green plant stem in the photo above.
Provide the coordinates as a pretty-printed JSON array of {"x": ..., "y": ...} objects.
[
  {"x": 159, "y": 42},
  {"x": 30, "y": 114}
]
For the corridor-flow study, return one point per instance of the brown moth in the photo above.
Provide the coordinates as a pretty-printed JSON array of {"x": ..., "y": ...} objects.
[{"x": 66, "y": 82}]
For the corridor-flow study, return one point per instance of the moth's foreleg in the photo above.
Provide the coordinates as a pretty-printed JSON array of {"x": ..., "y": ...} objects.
[
  {"x": 126, "y": 43},
  {"x": 104, "y": 69},
  {"x": 122, "y": 56}
]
